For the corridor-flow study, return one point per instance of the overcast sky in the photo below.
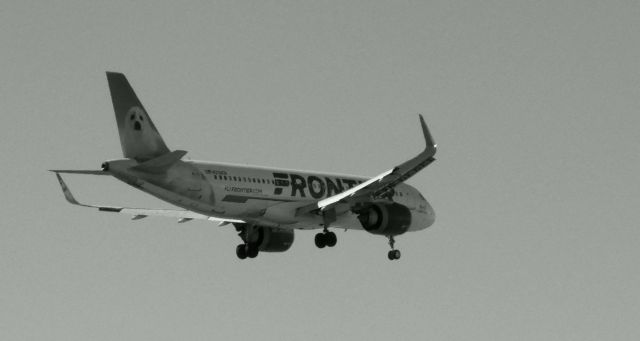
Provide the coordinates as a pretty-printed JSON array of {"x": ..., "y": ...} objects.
[{"x": 535, "y": 106}]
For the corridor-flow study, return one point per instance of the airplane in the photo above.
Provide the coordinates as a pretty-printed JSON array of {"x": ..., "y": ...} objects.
[{"x": 265, "y": 205}]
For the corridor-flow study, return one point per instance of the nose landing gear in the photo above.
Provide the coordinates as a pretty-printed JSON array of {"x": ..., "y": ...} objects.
[{"x": 393, "y": 253}]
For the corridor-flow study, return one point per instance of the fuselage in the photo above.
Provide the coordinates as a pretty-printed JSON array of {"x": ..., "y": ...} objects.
[{"x": 267, "y": 195}]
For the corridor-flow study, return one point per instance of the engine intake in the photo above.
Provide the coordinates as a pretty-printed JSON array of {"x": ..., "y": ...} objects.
[{"x": 386, "y": 219}]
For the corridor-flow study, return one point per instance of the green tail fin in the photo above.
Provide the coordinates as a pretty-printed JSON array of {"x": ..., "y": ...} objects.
[{"x": 139, "y": 137}]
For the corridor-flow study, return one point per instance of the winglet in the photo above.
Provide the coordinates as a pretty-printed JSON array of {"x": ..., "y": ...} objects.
[
  {"x": 66, "y": 191},
  {"x": 431, "y": 146}
]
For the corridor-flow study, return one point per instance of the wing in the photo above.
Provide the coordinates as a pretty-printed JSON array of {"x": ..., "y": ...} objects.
[
  {"x": 383, "y": 184},
  {"x": 138, "y": 213}
]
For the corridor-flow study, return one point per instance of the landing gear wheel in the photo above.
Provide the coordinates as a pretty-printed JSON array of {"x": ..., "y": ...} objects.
[
  {"x": 326, "y": 238},
  {"x": 241, "y": 251},
  {"x": 330, "y": 239},
  {"x": 321, "y": 240},
  {"x": 252, "y": 250},
  {"x": 394, "y": 254}
]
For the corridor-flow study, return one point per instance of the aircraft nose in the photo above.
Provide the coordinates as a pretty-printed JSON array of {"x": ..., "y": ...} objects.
[{"x": 431, "y": 214}]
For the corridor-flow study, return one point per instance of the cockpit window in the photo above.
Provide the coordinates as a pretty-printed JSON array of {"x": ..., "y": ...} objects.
[{"x": 421, "y": 197}]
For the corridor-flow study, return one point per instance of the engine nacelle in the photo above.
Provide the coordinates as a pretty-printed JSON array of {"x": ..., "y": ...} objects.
[
  {"x": 274, "y": 240},
  {"x": 386, "y": 219}
]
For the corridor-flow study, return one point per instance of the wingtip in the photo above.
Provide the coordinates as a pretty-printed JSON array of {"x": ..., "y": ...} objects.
[
  {"x": 431, "y": 146},
  {"x": 66, "y": 191}
]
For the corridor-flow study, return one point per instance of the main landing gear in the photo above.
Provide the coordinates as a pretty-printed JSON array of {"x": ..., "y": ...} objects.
[
  {"x": 252, "y": 237},
  {"x": 393, "y": 254},
  {"x": 326, "y": 238},
  {"x": 247, "y": 250}
]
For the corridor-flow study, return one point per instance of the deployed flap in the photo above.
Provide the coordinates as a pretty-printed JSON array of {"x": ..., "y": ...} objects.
[
  {"x": 139, "y": 137},
  {"x": 161, "y": 163},
  {"x": 142, "y": 212}
]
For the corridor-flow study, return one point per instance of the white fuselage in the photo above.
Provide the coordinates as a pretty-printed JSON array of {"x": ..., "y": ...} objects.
[{"x": 267, "y": 195}]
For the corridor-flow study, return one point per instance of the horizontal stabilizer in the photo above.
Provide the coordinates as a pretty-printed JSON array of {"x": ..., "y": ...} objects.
[
  {"x": 77, "y": 171},
  {"x": 161, "y": 163}
]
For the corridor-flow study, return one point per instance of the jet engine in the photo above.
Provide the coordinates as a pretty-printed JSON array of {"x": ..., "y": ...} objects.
[
  {"x": 388, "y": 219},
  {"x": 273, "y": 239}
]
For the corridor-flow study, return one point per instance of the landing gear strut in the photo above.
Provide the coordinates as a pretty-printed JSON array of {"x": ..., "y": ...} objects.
[
  {"x": 393, "y": 254},
  {"x": 326, "y": 238},
  {"x": 252, "y": 239}
]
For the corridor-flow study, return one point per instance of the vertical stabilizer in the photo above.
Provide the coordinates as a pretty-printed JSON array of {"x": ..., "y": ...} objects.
[{"x": 139, "y": 137}]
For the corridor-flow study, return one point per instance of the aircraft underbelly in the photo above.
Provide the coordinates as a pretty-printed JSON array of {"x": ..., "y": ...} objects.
[{"x": 178, "y": 199}]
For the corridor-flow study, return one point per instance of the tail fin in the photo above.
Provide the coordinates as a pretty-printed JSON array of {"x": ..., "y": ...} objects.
[{"x": 139, "y": 138}]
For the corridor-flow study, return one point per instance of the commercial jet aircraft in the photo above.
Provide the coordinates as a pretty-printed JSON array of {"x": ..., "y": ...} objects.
[{"x": 265, "y": 205}]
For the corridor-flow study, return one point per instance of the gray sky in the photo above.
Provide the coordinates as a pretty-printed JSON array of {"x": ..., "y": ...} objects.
[{"x": 534, "y": 106}]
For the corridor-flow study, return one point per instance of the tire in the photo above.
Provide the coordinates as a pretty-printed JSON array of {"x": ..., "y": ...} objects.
[
  {"x": 241, "y": 251},
  {"x": 331, "y": 239},
  {"x": 320, "y": 240},
  {"x": 390, "y": 255},
  {"x": 396, "y": 254},
  {"x": 252, "y": 251}
]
